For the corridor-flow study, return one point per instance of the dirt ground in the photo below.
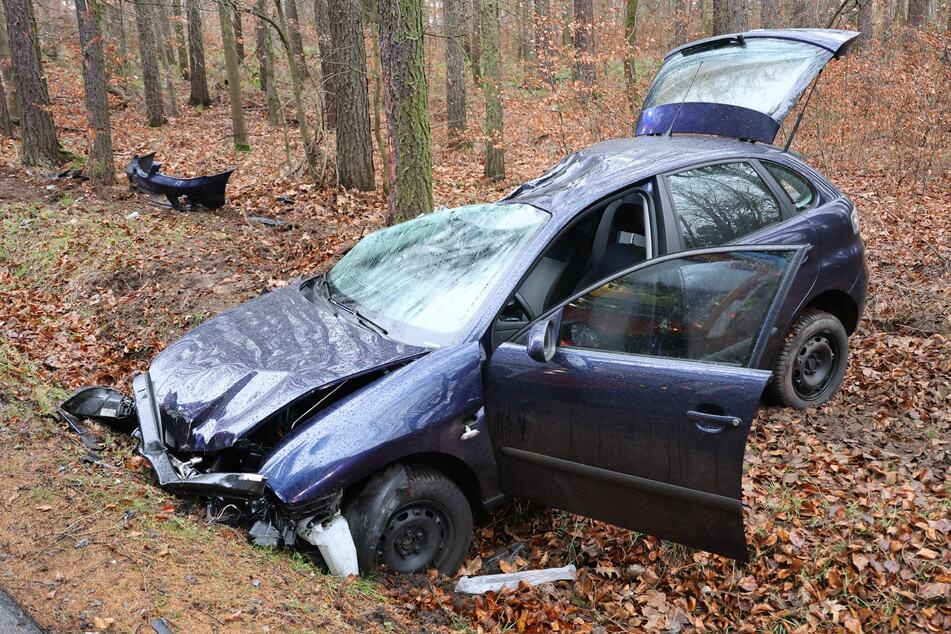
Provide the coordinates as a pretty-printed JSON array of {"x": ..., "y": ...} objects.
[{"x": 847, "y": 506}]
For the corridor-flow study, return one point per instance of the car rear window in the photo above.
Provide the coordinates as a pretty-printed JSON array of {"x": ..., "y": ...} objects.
[
  {"x": 717, "y": 204},
  {"x": 800, "y": 192}
]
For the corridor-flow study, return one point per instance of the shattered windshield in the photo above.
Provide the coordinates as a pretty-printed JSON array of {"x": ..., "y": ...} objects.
[
  {"x": 767, "y": 75},
  {"x": 423, "y": 280}
]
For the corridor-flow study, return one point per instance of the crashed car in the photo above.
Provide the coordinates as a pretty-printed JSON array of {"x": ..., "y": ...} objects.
[{"x": 597, "y": 341}]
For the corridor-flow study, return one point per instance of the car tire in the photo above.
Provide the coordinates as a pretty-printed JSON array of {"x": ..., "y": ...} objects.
[
  {"x": 410, "y": 518},
  {"x": 811, "y": 363}
]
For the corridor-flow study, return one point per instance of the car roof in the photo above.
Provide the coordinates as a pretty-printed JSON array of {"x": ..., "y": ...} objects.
[{"x": 588, "y": 175}]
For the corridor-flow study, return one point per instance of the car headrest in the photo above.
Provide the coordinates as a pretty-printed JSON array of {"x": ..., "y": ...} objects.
[{"x": 629, "y": 217}]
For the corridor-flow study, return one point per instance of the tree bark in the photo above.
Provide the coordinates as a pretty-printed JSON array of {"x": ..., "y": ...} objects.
[
  {"x": 404, "y": 87},
  {"x": 238, "y": 131},
  {"x": 6, "y": 68},
  {"x": 349, "y": 76},
  {"x": 584, "y": 40},
  {"x": 455, "y": 72},
  {"x": 324, "y": 45},
  {"x": 6, "y": 124},
  {"x": 721, "y": 17},
  {"x": 804, "y": 13},
  {"x": 40, "y": 146},
  {"x": 866, "y": 21},
  {"x": 238, "y": 28},
  {"x": 771, "y": 14},
  {"x": 630, "y": 60},
  {"x": 265, "y": 55},
  {"x": 196, "y": 56},
  {"x": 475, "y": 40},
  {"x": 294, "y": 37},
  {"x": 163, "y": 33},
  {"x": 148, "y": 58},
  {"x": 100, "y": 165},
  {"x": 491, "y": 86},
  {"x": 310, "y": 151},
  {"x": 181, "y": 45},
  {"x": 918, "y": 13}
]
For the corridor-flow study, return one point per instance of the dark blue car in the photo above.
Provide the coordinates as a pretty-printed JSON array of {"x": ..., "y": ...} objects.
[{"x": 597, "y": 341}]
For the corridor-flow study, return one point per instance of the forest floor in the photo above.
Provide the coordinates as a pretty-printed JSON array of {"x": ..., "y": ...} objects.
[{"x": 847, "y": 506}]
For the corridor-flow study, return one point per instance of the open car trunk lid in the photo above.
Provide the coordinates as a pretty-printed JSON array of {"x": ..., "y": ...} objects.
[{"x": 741, "y": 85}]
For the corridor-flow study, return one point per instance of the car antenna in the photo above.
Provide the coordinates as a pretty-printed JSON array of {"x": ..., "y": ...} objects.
[
  {"x": 802, "y": 111},
  {"x": 670, "y": 129}
]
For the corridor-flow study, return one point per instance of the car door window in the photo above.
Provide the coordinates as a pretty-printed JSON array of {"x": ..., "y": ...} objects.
[
  {"x": 717, "y": 204},
  {"x": 702, "y": 307},
  {"x": 800, "y": 192}
]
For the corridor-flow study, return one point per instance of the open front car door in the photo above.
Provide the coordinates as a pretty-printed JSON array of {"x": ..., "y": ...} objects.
[{"x": 632, "y": 401}]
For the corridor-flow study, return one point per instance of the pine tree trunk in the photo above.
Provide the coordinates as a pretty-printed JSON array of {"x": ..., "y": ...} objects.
[
  {"x": 294, "y": 37},
  {"x": 148, "y": 58},
  {"x": 455, "y": 72},
  {"x": 918, "y": 13},
  {"x": 630, "y": 60},
  {"x": 238, "y": 130},
  {"x": 238, "y": 26},
  {"x": 6, "y": 68},
  {"x": 349, "y": 73},
  {"x": 584, "y": 40},
  {"x": 407, "y": 117},
  {"x": 40, "y": 146},
  {"x": 491, "y": 86},
  {"x": 737, "y": 16},
  {"x": 181, "y": 45},
  {"x": 324, "y": 45},
  {"x": 771, "y": 14},
  {"x": 196, "y": 56},
  {"x": 100, "y": 165}
]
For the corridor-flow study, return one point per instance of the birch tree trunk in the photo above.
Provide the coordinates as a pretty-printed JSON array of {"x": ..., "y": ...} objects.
[
  {"x": 238, "y": 131},
  {"x": 196, "y": 56},
  {"x": 100, "y": 164},
  {"x": 349, "y": 76},
  {"x": 455, "y": 72},
  {"x": 407, "y": 116},
  {"x": 491, "y": 86},
  {"x": 38, "y": 133}
]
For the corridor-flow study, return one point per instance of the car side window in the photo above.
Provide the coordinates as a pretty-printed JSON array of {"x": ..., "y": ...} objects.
[
  {"x": 717, "y": 204},
  {"x": 702, "y": 307},
  {"x": 800, "y": 192}
]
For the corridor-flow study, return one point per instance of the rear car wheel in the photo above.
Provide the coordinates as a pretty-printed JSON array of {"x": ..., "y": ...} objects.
[
  {"x": 409, "y": 519},
  {"x": 809, "y": 367}
]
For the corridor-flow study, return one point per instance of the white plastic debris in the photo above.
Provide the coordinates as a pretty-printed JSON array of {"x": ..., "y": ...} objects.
[
  {"x": 133, "y": 215},
  {"x": 335, "y": 543},
  {"x": 494, "y": 583}
]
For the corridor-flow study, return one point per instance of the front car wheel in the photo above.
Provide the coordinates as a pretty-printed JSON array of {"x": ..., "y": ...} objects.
[{"x": 810, "y": 366}]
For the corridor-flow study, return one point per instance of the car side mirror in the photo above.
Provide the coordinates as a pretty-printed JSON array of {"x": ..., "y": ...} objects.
[{"x": 541, "y": 340}]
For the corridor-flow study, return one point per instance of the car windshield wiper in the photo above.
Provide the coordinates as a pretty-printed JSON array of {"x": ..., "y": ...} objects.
[{"x": 361, "y": 318}]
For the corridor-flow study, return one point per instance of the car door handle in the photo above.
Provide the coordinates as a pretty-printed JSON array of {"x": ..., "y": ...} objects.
[{"x": 712, "y": 423}]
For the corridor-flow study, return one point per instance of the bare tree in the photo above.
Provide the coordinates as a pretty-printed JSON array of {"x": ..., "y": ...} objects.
[
  {"x": 40, "y": 145},
  {"x": 543, "y": 36},
  {"x": 681, "y": 7},
  {"x": 407, "y": 116},
  {"x": 310, "y": 148},
  {"x": 265, "y": 55},
  {"x": 294, "y": 37},
  {"x": 324, "y": 45},
  {"x": 584, "y": 40},
  {"x": 238, "y": 28},
  {"x": 474, "y": 41},
  {"x": 148, "y": 59},
  {"x": 630, "y": 61},
  {"x": 100, "y": 165},
  {"x": 455, "y": 72},
  {"x": 918, "y": 13},
  {"x": 771, "y": 14},
  {"x": 349, "y": 64},
  {"x": 196, "y": 56},
  {"x": 491, "y": 85},
  {"x": 238, "y": 131},
  {"x": 180, "y": 42}
]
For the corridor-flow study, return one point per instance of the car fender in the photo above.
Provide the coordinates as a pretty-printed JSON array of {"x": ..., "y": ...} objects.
[{"x": 433, "y": 405}]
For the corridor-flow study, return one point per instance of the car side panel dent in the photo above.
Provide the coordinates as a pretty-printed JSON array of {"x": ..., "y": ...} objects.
[{"x": 424, "y": 407}]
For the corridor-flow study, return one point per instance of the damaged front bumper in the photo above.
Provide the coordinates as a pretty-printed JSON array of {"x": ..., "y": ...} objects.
[{"x": 174, "y": 474}]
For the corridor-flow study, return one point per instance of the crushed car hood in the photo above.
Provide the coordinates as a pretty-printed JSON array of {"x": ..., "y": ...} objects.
[{"x": 221, "y": 380}]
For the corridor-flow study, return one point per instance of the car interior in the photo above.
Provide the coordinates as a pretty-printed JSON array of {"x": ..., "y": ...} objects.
[{"x": 611, "y": 236}]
